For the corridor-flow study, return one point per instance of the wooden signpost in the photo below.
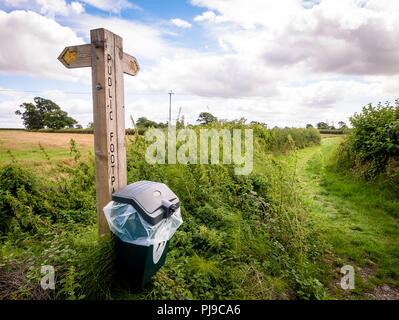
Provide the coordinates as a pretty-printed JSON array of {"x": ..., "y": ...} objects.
[{"x": 108, "y": 62}]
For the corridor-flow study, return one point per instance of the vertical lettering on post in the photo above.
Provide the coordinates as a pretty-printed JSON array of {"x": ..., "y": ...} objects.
[
  {"x": 112, "y": 141},
  {"x": 105, "y": 124}
]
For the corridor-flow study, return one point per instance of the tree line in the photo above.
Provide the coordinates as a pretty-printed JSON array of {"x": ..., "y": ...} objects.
[
  {"x": 325, "y": 126},
  {"x": 45, "y": 114}
]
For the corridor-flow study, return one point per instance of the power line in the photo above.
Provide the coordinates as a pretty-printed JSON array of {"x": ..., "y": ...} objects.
[
  {"x": 89, "y": 92},
  {"x": 127, "y": 93},
  {"x": 80, "y": 92}
]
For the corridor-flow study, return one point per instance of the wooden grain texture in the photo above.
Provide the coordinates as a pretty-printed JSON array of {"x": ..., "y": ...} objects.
[
  {"x": 76, "y": 56},
  {"x": 130, "y": 65},
  {"x": 108, "y": 61},
  {"x": 104, "y": 114}
]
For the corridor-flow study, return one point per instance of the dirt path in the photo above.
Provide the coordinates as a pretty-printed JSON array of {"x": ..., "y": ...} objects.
[{"x": 361, "y": 234}]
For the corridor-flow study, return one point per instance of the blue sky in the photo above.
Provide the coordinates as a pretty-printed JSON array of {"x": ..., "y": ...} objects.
[{"x": 286, "y": 63}]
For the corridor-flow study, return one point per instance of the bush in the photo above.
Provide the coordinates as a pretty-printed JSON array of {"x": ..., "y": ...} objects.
[
  {"x": 285, "y": 139},
  {"x": 371, "y": 150},
  {"x": 237, "y": 229},
  {"x": 28, "y": 203},
  {"x": 330, "y": 131},
  {"x": 375, "y": 135},
  {"x": 141, "y": 131}
]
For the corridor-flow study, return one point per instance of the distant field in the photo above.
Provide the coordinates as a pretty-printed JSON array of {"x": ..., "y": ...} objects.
[
  {"x": 328, "y": 135},
  {"x": 24, "y": 145}
]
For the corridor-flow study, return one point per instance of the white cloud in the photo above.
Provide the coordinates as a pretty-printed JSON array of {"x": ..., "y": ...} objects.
[
  {"x": 278, "y": 62},
  {"x": 49, "y": 8},
  {"x": 10, "y": 102},
  {"x": 146, "y": 43},
  {"x": 209, "y": 16},
  {"x": 33, "y": 45},
  {"x": 114, "y": 6},
  {"x": 365, "y": 43},
  {"x": 77, "y": 7},
  {"x": 249, "y": 15},
  {"x": 181, "y": 23},
  {"x": 211, "y": 76},
  {"x": 39, "y": 40},
  {"x": 344, "y": 37},
  {"x": 53, "y": 6}
]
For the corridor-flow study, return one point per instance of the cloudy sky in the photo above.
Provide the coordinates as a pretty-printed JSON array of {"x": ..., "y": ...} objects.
[{"x": 286, "y": 63}]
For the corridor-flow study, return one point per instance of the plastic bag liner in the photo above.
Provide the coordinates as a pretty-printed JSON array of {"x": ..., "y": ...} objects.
[{"x": 126, "y": 223}]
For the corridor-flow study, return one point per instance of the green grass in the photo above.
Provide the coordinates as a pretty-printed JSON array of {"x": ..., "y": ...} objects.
[
  {"x": 358, "y": 219},
  {"x": 280, "y": 233},
  {"x": 35, "y": 154}
]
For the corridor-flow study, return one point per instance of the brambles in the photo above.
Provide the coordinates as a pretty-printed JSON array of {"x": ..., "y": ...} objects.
[
  {"x": 238, "y": 230},
  {"x": 372, "y": 148},
  {"x": 375, "y": 135}
]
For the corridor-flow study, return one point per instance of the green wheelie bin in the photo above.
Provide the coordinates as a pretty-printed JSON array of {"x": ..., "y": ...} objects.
[{"x": 143, "y": 216}]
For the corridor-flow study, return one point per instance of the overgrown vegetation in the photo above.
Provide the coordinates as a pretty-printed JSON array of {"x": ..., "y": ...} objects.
[
  {"x": 141, "y": 131},
  {"x": 242, "y": 236},
  {"x": 372, "y": 148},
  {"x": 357, "y": 218}
]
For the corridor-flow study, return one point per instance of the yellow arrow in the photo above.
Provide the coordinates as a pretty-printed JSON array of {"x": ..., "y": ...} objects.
[
  {"x": 69, "y": 56},
  {"x": 134, "y": 66}
]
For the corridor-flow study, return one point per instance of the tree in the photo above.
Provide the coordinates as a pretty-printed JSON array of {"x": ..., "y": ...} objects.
[
  {"x": 146, "y": 123},
  {"x": 58, "y": 119},
  {"x": 309, "y": 126},
  {"x": 162, "y": 125},
  {"x": 342, "y": 125},
  {"x": 323, "y": 125},
  {"x": 259, "y": 123},
  {"x": 206, "y": 118},
  {"x": 90, "y": 125},
  {"x": 31, "y": 117},
  {"x": 44, "y": 114}
]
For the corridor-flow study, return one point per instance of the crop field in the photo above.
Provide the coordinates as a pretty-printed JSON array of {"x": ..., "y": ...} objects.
[{"x": 25, "y": 145}]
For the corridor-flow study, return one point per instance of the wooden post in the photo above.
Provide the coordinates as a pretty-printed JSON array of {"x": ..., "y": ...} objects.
[{"x": 108, "y": 61}]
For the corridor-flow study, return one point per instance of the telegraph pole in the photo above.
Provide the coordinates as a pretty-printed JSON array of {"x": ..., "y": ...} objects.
[{"x": 170, "y": 107}]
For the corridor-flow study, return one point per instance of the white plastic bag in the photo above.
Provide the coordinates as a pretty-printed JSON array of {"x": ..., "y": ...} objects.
[{"x": 126, "y": 223}]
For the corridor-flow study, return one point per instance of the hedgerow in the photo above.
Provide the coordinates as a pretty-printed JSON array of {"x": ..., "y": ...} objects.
[
  {"x": 242, "y": 237},
  {"x": 372, "y": 148}
]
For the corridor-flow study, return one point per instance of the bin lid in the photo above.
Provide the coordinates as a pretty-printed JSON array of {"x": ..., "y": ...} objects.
[{"x": 154, "y": 201}]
